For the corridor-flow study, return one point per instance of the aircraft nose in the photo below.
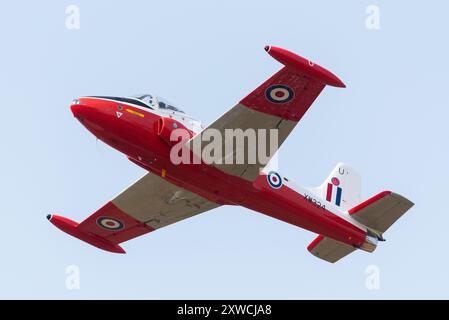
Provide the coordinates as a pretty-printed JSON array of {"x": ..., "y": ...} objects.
[{"x": 77, "y": 108}]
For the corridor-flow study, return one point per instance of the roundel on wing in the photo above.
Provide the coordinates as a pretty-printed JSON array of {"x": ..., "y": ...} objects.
[
  {"x": 279, "y": 93},
  {"x": 274, "y": 180},
  {"x": 110, "y": 223}
]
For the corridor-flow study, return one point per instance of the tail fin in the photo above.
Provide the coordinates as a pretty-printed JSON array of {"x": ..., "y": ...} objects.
[{"x": 341, "y": 188}]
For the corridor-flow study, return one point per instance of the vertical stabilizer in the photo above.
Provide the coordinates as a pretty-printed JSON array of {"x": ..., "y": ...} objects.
[{"x": 341, "y": 188}]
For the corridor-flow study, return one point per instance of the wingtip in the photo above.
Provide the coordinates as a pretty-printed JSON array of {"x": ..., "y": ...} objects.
[
  {"x": 119, "y": 250},
  {"x": 292, "y": 60},
  {"x": 71, "y": 227}
]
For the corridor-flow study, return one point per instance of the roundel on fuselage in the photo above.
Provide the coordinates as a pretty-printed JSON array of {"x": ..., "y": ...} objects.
[{"x": 274, "y": 180}]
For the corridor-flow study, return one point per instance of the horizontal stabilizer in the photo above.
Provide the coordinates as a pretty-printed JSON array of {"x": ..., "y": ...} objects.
[
  {"x": 381, "y": 211},
  {"x": 329, "y": 249}
]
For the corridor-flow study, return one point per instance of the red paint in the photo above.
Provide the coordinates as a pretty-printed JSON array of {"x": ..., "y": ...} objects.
[
  {"x": 315, "y": 242},
  {"x": 279, "y": 94},
  {"x": 165, "y": 128},
  {"x": 293, "y": 208},
  {"x": 329, "y": 192},
  {"x": 304, "y": 66},
  {"x": 72, "y": 228},
  {"x": 368, "y": 202},
  {"x": 305, "y": 91},
  {"x": 93, "y": 233},
  {"x": 304, "y": 78},
  {"x": 137, "y": 137},
  {"x": 132, "y": 227},
  {"x": 145, "y": 141},
  {"x": 335, "y": 181}
]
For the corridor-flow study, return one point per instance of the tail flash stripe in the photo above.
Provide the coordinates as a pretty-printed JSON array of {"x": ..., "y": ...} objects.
[
  {"x": 329, "y": 192},
  {"x": 338, "y": 200}
]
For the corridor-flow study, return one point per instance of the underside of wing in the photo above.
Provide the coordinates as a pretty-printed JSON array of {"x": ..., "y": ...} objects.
[
  {"x": 268, "y": 113},
  {"x": 149, "y": 204},
  {"x": 381, "y": 211},
  {"x": 329, "y": 249}
]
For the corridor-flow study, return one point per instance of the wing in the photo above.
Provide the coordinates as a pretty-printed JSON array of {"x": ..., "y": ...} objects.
[
  {"x": 278, "y": 105},
  {"x": 329, "y": 249},
  {"x": 149, "y": 204}
]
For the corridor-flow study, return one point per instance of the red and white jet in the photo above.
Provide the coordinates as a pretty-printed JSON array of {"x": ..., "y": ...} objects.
[{"x": 140, "y": 127}]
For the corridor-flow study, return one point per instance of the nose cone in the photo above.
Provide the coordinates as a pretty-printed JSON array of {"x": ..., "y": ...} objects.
[
  {"x": 95, "y": 114},
  {"x": 77, "y": 108}
]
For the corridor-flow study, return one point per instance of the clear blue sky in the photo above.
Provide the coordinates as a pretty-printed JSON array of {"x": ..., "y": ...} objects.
[{"x": 390, "y": 123}]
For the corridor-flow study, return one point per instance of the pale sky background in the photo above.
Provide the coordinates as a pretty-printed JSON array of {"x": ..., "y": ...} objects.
[{"x": 390, "y": 123}]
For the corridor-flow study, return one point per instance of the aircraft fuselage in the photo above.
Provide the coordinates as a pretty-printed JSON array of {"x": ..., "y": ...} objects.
[{"x": 136, "y": 132}]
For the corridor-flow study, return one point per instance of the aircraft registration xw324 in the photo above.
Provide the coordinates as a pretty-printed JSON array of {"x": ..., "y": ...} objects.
[{"x": 140, "y": 127}]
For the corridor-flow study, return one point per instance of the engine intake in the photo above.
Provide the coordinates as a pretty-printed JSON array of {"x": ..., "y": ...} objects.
[{"x": 165, "y": 127}]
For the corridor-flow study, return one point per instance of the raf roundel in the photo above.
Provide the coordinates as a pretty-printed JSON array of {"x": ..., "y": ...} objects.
[
  {"x": 335, "y": 181},
  {"x": 279, "y": 93},
  {"x": 274, "y": 180},
  {"x": 110, "y": 223}
]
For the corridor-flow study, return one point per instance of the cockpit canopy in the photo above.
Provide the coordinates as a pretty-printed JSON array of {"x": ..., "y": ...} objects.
[{"x": 156, "y": 102}]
